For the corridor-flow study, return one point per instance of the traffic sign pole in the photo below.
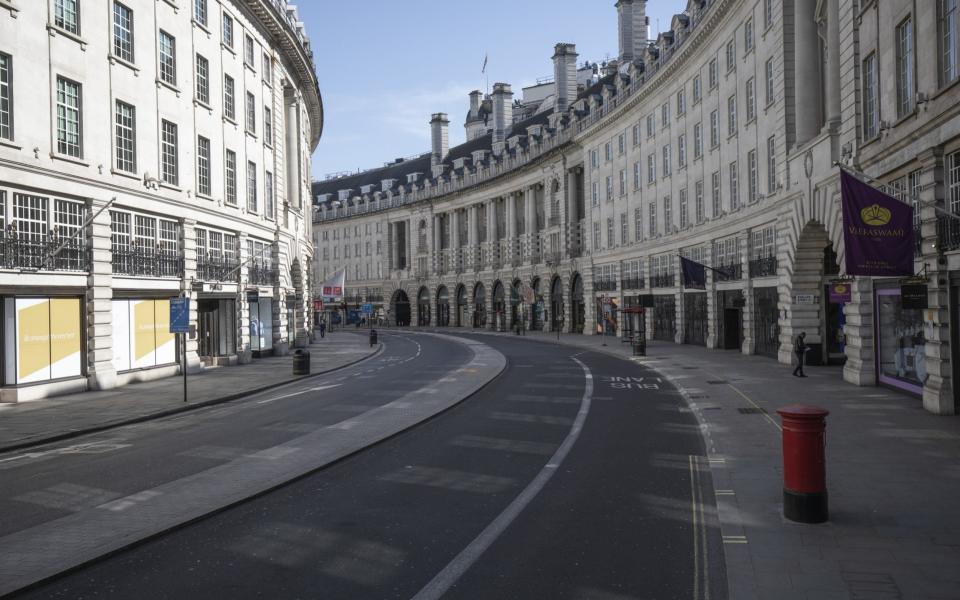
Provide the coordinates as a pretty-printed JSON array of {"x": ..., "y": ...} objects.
[{"x": 180, "y": 324}]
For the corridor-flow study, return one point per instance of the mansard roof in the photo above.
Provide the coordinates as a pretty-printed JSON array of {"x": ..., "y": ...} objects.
[{"x": 421, "y": 164}]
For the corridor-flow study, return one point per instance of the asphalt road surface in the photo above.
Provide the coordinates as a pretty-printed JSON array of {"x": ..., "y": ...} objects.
[{"x": 572, "y": 475}]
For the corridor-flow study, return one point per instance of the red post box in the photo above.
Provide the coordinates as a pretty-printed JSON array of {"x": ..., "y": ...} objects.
[{"x": 804, "y": 463}]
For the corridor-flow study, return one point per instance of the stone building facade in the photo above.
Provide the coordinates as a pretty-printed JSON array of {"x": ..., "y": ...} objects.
[
  {"x": 721, "y": 141},
  {"x": 148, "y": 150}
]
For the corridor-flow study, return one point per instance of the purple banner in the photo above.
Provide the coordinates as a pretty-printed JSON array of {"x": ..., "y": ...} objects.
[
  {"x": 877, "y": 230},
  {"x": 840, "y": 293}
]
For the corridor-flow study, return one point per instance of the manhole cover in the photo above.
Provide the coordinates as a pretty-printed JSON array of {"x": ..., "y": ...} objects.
[
  {"x": 751, "y": 411},
  {"x": 716, "y": 381}
]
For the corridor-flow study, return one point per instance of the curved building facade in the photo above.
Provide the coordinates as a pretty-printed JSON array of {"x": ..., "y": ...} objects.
[
  {"x": 148, "y": 150},
  {"x": 718, "y": 141}
]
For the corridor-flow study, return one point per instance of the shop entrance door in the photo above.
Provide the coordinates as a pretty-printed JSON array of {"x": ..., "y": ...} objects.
[
  {"x": 731, "y": 329},
  {"x": 216, "y": 328},
  {"x": 765, "y": 322}
]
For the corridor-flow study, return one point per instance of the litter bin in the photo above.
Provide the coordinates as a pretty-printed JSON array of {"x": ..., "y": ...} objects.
[
  {"x": 301, "y": 362},
  {"x": 373, "y": 337}
]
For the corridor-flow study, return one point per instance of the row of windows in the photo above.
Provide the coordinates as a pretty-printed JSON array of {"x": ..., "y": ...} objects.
[
  {"x": 66, "y": 16},
  {"x": 732, "y": 117},
  {"x": 346, "y": 231},
  {"x": 69, "y": 120},
  {"x": 753, "y": 193}
]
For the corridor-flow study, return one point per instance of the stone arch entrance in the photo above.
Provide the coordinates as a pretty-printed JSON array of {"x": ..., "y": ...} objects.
[
  {"x": 423, "y": 307},
  {"x": 556, "y": 304},
  {"x": 577, "y": 307},
  {"x": 815, "y": 262},
  {"x": 400, "y": 305},
  {"x": 479, "y": 306},
  {"x": 443, "y": 306},
  {"x": 516, "y": 307},
  {"x": 499, "y": 307},
  {"x": 460, "y": 313},
  {"x": 536, "y": 310}
]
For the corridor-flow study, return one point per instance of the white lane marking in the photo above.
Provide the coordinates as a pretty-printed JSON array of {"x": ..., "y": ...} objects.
[
  {"x": 313, "y": 389},
  {"x": 444, "y": 580}
]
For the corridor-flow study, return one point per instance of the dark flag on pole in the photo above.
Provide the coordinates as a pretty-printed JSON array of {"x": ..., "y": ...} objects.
[
  {"x": 693, "y": 274},
  {"x": 877, "y": 230}
]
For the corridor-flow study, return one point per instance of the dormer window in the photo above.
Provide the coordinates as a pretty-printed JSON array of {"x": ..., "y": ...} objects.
[
  {"x": 366, "y": 189},
  {"x": 387, "y": 184},
  {"x": 413, "y": 177},
  {"x": 343, "y": 195}
]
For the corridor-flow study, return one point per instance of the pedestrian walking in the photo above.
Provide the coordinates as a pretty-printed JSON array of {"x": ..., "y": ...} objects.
[
  {"x": 323, "y": 329},
  {"x": 800, "y": 350}
]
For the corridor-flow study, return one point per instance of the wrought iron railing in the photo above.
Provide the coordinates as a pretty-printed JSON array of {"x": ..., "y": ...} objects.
[
  {"x": 662, "y": 281},
  {"x": 948, "y": 234},
  {"x": 732, "y": 272},
  {"x": 36, "y": 253},
  {"x": 605, "y": 285},
  {"x": 147, "y": 262},
  {"x": 763, "y": 267},
  {"x": 261, "y": 273},
  {"x": 632, "y": 283},
  {"x": 217, "y": 268},
  {"x": 552, "y": 258}
]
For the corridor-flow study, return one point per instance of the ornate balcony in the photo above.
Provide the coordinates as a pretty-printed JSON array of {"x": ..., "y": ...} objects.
[
  {"x": 217, "y": 268},
  {"x": 763, "y": 267},
  {"x": 731, "y": 272},
  {"x": 147, "y": 262},
  {"x": 261, "y": 273},
  {"x": 608, "y": 285},
  {"x": 662, "y": 281},
  {"x": 35, "y": 252},
  {"x": 633, "y": 283}
]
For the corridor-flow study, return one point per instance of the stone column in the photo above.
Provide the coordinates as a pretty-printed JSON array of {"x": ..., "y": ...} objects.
[
  {"x": 473, "y": 233},
  {"x": 749, "y": 331},
  {"x": 530, "y": 218},
  {"x": 938, "y": 389},
  {"x": 678, "y": 302},
  {"x": 455, "y": 217},
  {"x": 436, "y": 249},
  {"x": 491, "y": 227},
  {"x": 833, "y": 65},
  {"x": 244, "y": 349},
  {"x": 101, "y": 374},
  {"x": 806, "y": 70},
  {"x": 712, "y": 309},
  {"x": 858, "y": 331},
  {"x": 511, "y": 218}
]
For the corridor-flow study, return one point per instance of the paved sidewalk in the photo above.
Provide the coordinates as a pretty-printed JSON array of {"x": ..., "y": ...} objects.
[
  {"x": 893, "y": 474},
  {"x": 61, "y": 417}
]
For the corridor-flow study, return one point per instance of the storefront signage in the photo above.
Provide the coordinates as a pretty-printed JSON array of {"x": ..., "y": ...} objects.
[
  {"x": 179, "y": 315},
  {"x": 804, "y": 299},
  {"x": 253, "y": 296},
  {"x": 318, "y": 305},
  {"x": 913, "y": 296},
  {"x": 877, "y": 230},
  {"x": 368, "y": 309},
  {"x": 840, "y": 293}
]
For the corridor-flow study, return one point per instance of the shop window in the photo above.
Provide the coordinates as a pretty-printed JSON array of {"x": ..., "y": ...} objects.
[{"x": 43, "y": 340}]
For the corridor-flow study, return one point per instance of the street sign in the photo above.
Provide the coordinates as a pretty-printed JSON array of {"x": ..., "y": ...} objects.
[
  {"x": 368, "y": 309},
  {"x": 179, "y": 315},
  {"x": 913, "y": 296},
  {"x": 804, "y": 299}
]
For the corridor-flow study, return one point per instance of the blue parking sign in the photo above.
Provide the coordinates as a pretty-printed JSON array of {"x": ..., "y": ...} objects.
[
  {"x": 368, "y": 309},
  {"x": 179, "y": 315}
]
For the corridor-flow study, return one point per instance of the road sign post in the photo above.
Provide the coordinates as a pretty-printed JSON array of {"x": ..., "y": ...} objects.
[{"x": 180, "y": 324}]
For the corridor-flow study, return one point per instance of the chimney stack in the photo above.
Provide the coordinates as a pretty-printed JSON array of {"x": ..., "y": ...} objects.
[
  {"x": 440, "y": 138},
  {"x": 502, "y": 111},
  {"x": 565, "y": 75},
  {"x": 475, "y": 96},
  {"x": 632, "y": 22}
]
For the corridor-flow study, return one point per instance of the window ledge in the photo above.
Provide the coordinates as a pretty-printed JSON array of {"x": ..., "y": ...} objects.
[
  {"x": 200, "y": 25},
  {"x": 268, "y": 145},
  {"x": 170, "y": 186},
  {"x": 69, "y": 159},
  {"x": 204, "y": 196},
  {"x": 905, "y": 117},
  {"x": 228, "y": 48},
  {"x": 231, "y": 121},
  {"x": 251, "y": 134},
  {"x": 251, "y": 67},
  {"x": 116, "y": 60},
  {"x": 53, "y": 30},
  {"x": 10, "y": 144},
  {"x": 161, "y": 83},
  {"x": 203, "y": 104},
  {"x": 9, "y": 6},
  {"x": 126, "y": 174},
  {"x": 173, "y": 4}
]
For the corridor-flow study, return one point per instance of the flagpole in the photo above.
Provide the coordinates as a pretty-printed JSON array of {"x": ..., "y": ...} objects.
[{"x": 919, "y": 201}]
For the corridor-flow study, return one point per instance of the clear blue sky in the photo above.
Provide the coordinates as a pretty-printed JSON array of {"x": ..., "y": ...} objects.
[{"x": 385, "y": 66}]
